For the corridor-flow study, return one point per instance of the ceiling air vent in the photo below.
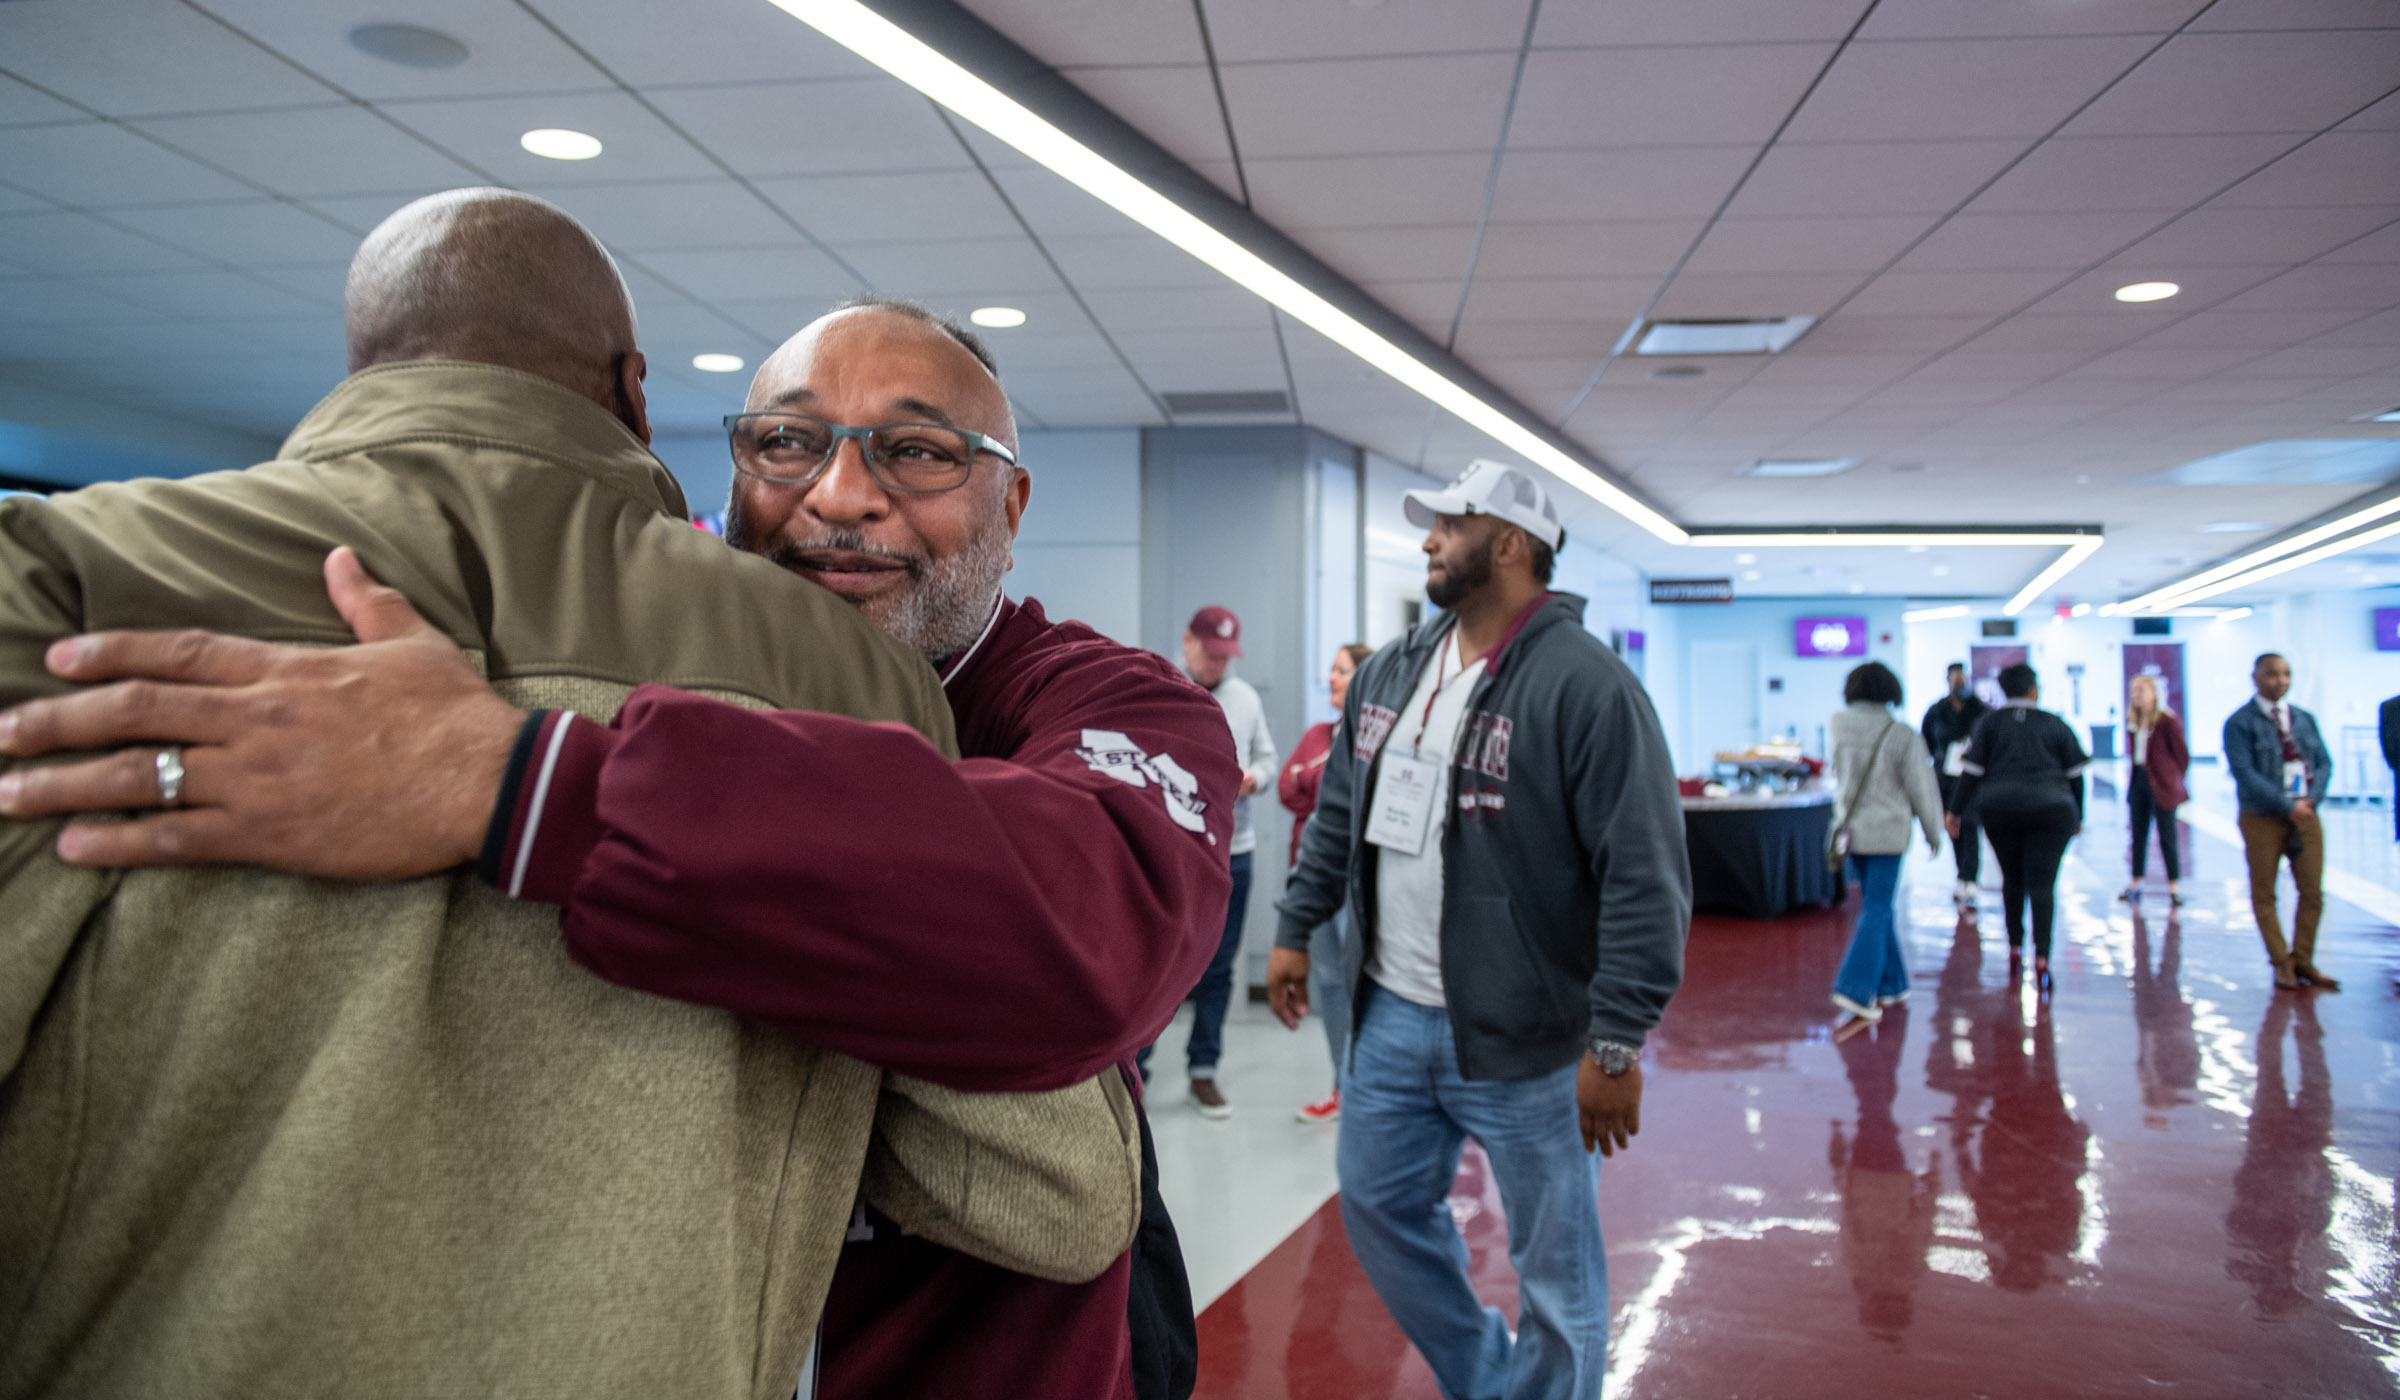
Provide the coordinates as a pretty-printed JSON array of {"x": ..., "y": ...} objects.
[
  {"x": 1228, "y": 401},
  {"x": 1721, "y": 337}
]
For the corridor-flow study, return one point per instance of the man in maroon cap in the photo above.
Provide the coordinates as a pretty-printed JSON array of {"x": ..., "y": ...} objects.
[{"x": 1210, "y": 644}]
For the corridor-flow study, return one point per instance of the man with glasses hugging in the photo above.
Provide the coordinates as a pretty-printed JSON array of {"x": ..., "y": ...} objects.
[{"x": 1021, "y": 919}]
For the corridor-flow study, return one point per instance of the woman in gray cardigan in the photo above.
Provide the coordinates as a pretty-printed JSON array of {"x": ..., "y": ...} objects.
[{"x": 1883, "y": 778}]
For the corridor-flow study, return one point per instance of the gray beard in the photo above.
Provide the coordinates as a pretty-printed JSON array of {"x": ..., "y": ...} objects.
[{"x": 947, "y": 601}]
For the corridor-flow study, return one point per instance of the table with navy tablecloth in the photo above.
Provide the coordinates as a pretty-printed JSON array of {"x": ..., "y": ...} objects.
[{"x": 1760, "y": 855}]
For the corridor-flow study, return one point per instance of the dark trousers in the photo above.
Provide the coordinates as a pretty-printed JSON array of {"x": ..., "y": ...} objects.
[
  {"x": 1968, "y": 848},
  {"x": 2030, "y": 846},
  {"x": 2145, "y": 809},
  {"x": 1215, "y": 992}
]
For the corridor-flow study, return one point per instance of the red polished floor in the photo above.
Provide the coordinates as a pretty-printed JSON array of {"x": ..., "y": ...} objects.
[{"x": 2169, "y": 1180}]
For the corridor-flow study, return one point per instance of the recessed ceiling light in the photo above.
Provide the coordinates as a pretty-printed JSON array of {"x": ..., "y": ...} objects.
[
  {"x": 1677, "y": 372},
  {"x": 1916, "y": 549},
  {"x": 1858, "y": 588},
  {"x": 408, "y": 45},
  {"x": 1762, "y": 337},
  {"x": 999, "y": 318},
  {"x": 2080, "y": 610},
  {"x": 1799, "y": 466},
  {"x": 2232, "y": 527},
  {"x": 717, "y": 364},
  {"x": 556, "y": 143},
  {"x": 2147, "y": 291},
  {"x": 1750, "y": 576},
  {"x": 2392, "y": 417},
  {"x": 1941, "y": 571},
  {"x": 2233, "y": 614},
  {"x": 1745, "y": 559}
]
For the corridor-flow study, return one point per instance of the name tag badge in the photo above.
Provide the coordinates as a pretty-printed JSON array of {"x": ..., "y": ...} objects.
[
  {"x": 1403, "y": 808},
  {"x": 2295, "y": 779}
]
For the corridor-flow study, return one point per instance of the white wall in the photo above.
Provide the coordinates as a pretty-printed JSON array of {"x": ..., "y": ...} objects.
[
  {"x": 1812, "y": 686},
  {"x": 2337, "y": 675},
  {"x": 1079, "y": 548}
]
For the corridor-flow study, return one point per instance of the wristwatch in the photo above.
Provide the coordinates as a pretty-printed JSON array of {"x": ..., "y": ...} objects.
[{"x": 1614, "y": 1056}]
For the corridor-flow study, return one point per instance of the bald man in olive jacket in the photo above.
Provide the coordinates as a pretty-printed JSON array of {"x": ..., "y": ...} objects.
[{"x": 269, "y": 1135}]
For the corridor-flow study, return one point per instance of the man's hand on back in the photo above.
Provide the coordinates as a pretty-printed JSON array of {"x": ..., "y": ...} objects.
[
  {"x": 1609, "y": 1105},
  {"x": 378, "y": 761}
]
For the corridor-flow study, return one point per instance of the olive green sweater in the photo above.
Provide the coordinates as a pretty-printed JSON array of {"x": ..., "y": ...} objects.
[{"x": 262, "y": 1135}]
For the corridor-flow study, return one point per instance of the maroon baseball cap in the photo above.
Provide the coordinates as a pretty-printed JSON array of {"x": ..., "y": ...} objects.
[{"x": 1218, "y": 630}]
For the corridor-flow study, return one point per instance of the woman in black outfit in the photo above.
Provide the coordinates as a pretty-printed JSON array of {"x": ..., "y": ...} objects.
[{"x": 2027, "y": 767}]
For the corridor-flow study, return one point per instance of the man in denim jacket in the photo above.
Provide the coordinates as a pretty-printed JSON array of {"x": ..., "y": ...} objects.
[{"x": 2281, "y": 769}]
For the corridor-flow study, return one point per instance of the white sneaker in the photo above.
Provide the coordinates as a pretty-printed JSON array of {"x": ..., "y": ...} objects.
[
  {"x": 1857, "y": 1009},
  {"x": 1893, "y": 1000},
  {"x": 1962, "y": 893}
]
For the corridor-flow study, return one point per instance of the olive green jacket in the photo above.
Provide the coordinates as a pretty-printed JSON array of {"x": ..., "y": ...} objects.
[{"x": 263, "y": 1135}]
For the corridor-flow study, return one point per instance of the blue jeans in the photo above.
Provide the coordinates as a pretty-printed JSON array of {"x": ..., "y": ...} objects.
[
  {"x": 1215, "y": 991},
  {"x": 1406, "y": 1113},
  {"x": 1874, "y": 966},
  {"x": 1329, "y": 986}
]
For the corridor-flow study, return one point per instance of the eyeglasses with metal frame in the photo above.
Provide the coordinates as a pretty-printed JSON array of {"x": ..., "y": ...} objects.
[{"x": 919, "y": 458}]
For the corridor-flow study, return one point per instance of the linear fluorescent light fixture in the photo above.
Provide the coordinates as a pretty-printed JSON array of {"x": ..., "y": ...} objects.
[
  {"x": 912, "y": 61},
  {"x": 1722, "y": 337},
  {"x": 2078, "y": 545},
  {"x": 2060, "y": 567},
  {"x": 1799, "y": 466},
  {"x": 2391, "y": 417},
  {"x": 1941, "y": 614},
  {"x": 2288, "y": 563},
  {"x": 2199, "y": 585}
]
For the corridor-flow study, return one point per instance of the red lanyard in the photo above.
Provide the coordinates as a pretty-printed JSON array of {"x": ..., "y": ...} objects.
[{"x": 1441, "y": 667}]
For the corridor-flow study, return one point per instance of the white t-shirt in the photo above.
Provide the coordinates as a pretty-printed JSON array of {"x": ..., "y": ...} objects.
[{"x": 1408, "y": 889}]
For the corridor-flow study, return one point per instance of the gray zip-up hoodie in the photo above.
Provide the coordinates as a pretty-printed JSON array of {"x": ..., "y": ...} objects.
[{"x": 1566, "y": 892}]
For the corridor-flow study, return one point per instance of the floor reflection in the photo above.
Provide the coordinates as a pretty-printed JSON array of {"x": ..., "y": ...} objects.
[
  {"x": 2168, "y": 1061},
  {"x": 2283, "y": 1191},
  {"x": 1887, "y": 1210}
]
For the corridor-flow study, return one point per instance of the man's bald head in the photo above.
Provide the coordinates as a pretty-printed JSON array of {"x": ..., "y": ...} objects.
[{"x": 496, "y": 277}]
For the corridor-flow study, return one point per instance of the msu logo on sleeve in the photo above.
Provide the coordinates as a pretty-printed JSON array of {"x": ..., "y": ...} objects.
[{"x": 1119, "y": 757}]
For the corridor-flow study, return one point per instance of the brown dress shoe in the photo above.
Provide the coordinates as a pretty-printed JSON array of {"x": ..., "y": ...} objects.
[
  {"x": 2308, "y": 973},
  {"x": 2284, "y": 977}
]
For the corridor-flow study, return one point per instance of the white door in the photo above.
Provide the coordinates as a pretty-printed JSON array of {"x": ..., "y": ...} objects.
[{"x": 1724, "y": 692}]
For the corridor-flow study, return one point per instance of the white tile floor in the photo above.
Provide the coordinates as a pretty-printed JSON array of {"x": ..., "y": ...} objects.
[{"x": 1238, "y": 1186}]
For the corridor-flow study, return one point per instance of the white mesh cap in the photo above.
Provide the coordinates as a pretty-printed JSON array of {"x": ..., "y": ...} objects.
[{"x": 1490, "y": 488}]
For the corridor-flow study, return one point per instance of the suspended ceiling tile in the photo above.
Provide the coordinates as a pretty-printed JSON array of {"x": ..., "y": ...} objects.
[
  {"x": 1578, "y": 22},
  {"x": 2381, "y": 246},
  {"x": 18, "y": 202},
  {"x": 508, "y": 51},
  {"x": 1275, "y": 30},
  {"x": 1381, "y": 106},
  {"x": 1961, "y": 90},
  {"x": 210, "y": 294},
  {"x": 1613, "y": 301},
  {"x": 1429, "y": 305},
  {"x": 2295, "y": 82},
  {"x": 99, "y": 166},
  {"x": 1849, "y": 333},
  {"x": 2164, "y": 173},
  {"x": 2326, "y": 363},
  {"x": 981, "y": 270},
  {"x": 485, "y": 132},
  {"x": 2341, "y": 167},
  {"x": 2067, "y": 332},
  {"x": 52, "y": 301},
  {"x": 2382, "y": 328},
  {"x": 702, "y": 42},
  {"x": 828, "y": 126},
  {"x": 1424, "y": 252},
  {"x": 1224, "y": 306},
  {"x": 322, "y": 283},
  {"x": 1628, "y": 184},
  {"x": 1970, "y": 19},
  {"x": 2383, "y": 116},
  {"x": 137, "y": 57},
  {"x": 2141, "y": 362},
  {"x": 1300, "y": 194},
  {"x": 1174, "y": 106},
  {"x": 2221, "y": 328},
  {"x": 673, "y": 216},
  {"x": 1615, "y": 248},
  {"x": 1052, "y": 207},
  {"x": 920, "y": 205},
  {"x": 2215, "y": 236},
  {"x": 81, "y": 244},
  {"x": 254, "y": 233},
  {"x": 21, "y": 105},
  {"x": 737, "y": 276},
  {"x": 2062, "y": 242},
  {"x": 1076, "y": 33},
  {"x": 319, "y": 151},
  {"x": 1704, "y": 296},
  {"x": 1500, "y": 340},
  {"x": 1803, "y": 245},
  {"x": 2325, "y": 287},
  {"x": 1129, "y": 260},
  {"x": 1642, "y": 97},
  {"x": 1883, "y": 177}
]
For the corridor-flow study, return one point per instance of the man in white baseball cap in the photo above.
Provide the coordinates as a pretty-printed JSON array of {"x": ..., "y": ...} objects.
[{"x": 1491, "y": 488}]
